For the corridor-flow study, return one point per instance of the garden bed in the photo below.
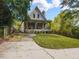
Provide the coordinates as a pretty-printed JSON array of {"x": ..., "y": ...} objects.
[{"x": 16, "y": 37}]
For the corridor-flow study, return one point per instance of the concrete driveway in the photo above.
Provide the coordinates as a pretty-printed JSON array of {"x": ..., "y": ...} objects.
[{"x": 28, "y": 49}]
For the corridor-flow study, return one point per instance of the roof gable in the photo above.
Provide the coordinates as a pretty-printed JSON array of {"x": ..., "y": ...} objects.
[{"x": 37, "y": 10}]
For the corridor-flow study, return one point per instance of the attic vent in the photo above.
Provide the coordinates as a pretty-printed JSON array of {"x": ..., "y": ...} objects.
[{"x": 43, "y": 13}]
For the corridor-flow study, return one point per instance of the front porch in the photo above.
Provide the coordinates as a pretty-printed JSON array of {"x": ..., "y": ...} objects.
[
  {"x": 33, "y": 26},
  {"x": 37, "y": 26}
]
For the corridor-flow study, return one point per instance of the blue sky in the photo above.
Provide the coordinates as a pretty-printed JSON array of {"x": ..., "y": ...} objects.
[
  {"x": 51, "y": 7},
  {"x": 52, "y": 13}
]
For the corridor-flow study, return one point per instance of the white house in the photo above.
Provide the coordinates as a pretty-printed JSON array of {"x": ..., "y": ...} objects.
[{"x": 37, "y": 21}]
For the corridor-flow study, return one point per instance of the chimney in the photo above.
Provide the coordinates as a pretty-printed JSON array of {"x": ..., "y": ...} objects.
[{"x": 43, "y": 13}]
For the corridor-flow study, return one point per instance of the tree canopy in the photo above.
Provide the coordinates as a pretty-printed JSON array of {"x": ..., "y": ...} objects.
[
  {"x": 19, "y": 8},
  {"x": 67, "y": 23},
  {"x": 5, "y": 14},
  {"x": 13, "y": 9},
  {"x": 71, "y": 3}
]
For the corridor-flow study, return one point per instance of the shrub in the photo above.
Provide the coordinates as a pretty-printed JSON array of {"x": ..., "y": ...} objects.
[{"x": 75, "y": 32}]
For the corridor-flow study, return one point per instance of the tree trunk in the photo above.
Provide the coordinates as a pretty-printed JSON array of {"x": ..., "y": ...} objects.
[
  {"x": 20, "y": 26},
  {"x": 25, "y": 21},
  {"x": 25, "y": 26}
]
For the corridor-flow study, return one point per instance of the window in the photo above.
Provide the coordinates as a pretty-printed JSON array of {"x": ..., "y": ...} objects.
[
  {"x": 33, "y": 15},
  {"x": 38, "y": 15}
]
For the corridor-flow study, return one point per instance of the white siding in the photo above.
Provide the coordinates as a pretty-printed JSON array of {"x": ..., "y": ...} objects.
[{"x": 36, "y": 12}]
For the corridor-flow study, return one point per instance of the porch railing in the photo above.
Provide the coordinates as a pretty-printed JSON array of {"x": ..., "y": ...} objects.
[{"x": 38, "y": 30}]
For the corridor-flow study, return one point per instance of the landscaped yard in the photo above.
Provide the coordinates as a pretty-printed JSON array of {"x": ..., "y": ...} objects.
[
  {"x": 54, "y": 41},
  {"x": 16, "y": 37}
]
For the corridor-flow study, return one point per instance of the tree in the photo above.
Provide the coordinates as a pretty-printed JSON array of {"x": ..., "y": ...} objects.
[
  {"x": 74, "y": 9},
  {"x": 55, "y": 25},
  {"x": 19, "y": 9},
  {"x": 70, "y": 3},
  {"x": 75, "y": 31},
  {"x": 70, "y": 20},
  {"x": 66, "y": 22},
  {"x": 5, "y": 14}
]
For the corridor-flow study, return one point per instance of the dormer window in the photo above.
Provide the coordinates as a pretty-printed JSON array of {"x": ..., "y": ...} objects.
[
  {"x": 33, "y": 15},
  {"x": 38, "y": 15}
]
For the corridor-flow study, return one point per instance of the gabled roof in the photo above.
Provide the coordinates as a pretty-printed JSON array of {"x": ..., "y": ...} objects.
[{"x": 40, "y": 12}]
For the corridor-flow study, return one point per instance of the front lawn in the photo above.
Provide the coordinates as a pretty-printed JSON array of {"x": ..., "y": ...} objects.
[{"x": 54, "y": 41}]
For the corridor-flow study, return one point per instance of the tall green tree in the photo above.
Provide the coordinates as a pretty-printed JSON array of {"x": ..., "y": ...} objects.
[
  {"x": 56, "y": 23},
  {"x": 66, "y": 22},
  {"x": 19, "y": 9},
  {"x": 74, "y": 9},
  {"x": 5, "y": 14}
]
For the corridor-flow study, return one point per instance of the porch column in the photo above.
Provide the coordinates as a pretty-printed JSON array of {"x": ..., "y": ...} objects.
[
  {"x": 35, "y": 25},
  {"x": 43, "y": 26}
]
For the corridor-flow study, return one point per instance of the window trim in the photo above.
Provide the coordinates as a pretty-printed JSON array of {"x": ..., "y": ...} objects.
[
  {"x": 33, "y": 15},
  {"x": 38, "y": 16}
]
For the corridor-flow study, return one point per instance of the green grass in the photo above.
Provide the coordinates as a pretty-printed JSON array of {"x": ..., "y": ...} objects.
[{"x": 54, "y": 41}]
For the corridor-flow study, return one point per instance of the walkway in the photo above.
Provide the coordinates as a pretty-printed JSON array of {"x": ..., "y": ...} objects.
[{"x": 28, "y": 49}]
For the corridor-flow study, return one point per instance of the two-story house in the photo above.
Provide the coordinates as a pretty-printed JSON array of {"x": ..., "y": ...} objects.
[{"x": 37, "y": 21}]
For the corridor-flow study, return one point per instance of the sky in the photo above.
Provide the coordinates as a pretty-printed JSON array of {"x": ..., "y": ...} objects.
[{"x": 51, "y": 7}]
